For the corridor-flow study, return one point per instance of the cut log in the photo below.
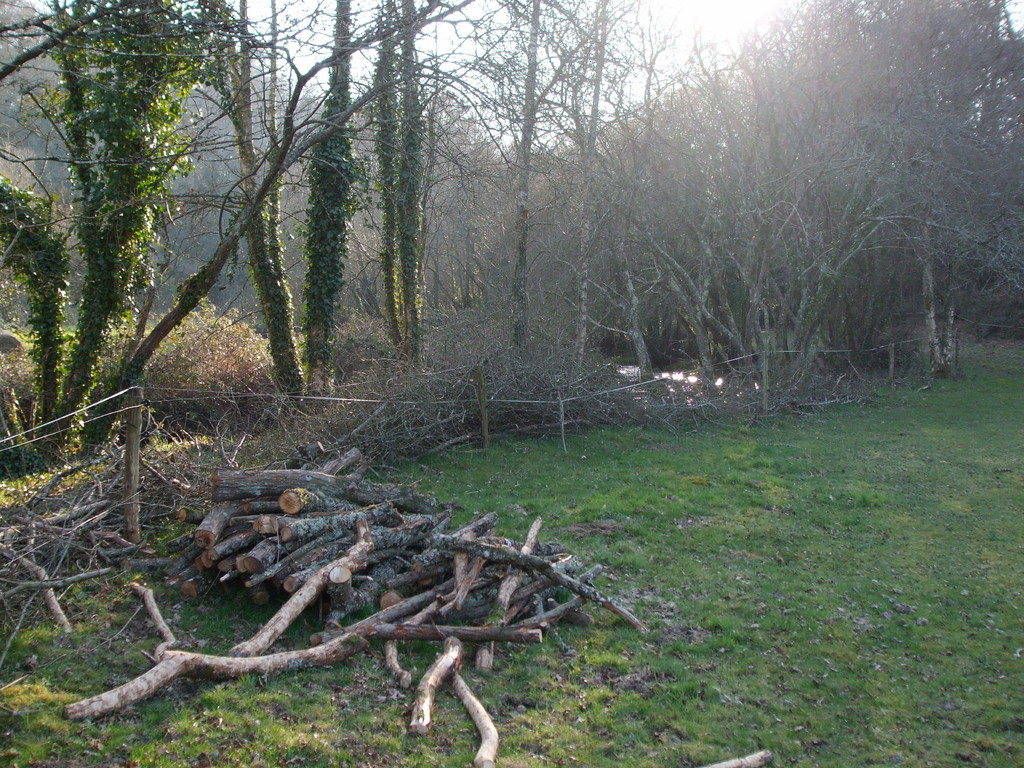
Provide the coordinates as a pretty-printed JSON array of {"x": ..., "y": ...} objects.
[
  {"x": 542, "y": 566},
  {"x": 261, "y": 507},
  {"x": 267, "y": 525},
  {"x": 296, "y": 500},
  {"x": 216, "y": 520},
  {"x": 304, "y": 529},
  {"x": 350, "y": 458},
  {"x": 447, "y": 662},
  {"x": 366, "y": 594},
  {"x": 755, "y": 760},
  {"x": 355, "y": 559},
  {"x": 263, "y": 556},
  {"x": 401, "y": 496},
  {"x": 229, "y": 546},
  {"x": 485, "y": 657},
  {"x": 259, "y": 594},
  {"x": 182, "y": 664},
  {"x": 229, "y": 485},
  {"x": 316, "y": 552},
  {"x": 487, "y": 754},
  {"x": 190, "y": 516}
]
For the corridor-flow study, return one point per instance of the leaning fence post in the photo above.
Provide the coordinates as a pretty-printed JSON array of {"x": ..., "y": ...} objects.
[
  {"x": 481, "y": 395},
  {"x": 764, "y": 379},
  {"x": 892, "y": 366},
  {"x": 132, "y": 439}
]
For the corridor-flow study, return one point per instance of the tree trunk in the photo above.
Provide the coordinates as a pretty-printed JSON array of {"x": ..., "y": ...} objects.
[
  {"x": 588, "y": 156},
  {"x": 524, "y": 150},
  {"x": 266, "y": 261},
  {"x": 331, "y": 174}
]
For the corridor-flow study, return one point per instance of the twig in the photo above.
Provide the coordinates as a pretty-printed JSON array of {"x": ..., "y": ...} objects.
[
  {"x": 17, "y": 628},
  {"x": 57, "y": 583}
]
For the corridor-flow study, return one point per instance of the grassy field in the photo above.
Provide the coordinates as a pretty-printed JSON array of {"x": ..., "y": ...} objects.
[{"x": 843, "y": 588}]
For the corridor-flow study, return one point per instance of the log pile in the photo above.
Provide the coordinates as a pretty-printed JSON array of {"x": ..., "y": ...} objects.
[{"x": 354, "y": 548}]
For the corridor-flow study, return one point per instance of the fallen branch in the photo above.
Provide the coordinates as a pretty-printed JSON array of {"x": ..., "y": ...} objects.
[
  {"x": 177, "y": 664},
  {"x": 149, "y": 600},
  {"x": 487, "y": 754},
  {"x": 59, "y": 583},
  {"x": 410, "y": 631},
  {"x": 447, "y": 662},
  {"x": 755, "y": 760},
  {"x": 540, "y": 565}
]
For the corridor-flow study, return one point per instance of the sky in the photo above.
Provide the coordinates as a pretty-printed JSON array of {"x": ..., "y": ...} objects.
[{"x": 717, "y": 19}]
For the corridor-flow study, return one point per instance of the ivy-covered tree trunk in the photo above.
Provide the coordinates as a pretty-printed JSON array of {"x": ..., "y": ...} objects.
[
  {"x": 266, "y": 259},
  {"x": 410, "y": 174},
  {"x": 388, "y": 160},
  {"x": 123, "y": 81},
  {"x": 331, "y": 175},
  {"x": 40, "y": 262}
]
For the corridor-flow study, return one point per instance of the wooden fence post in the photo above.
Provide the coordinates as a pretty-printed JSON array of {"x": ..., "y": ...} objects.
[
  {"x": 132, "y": 439},
  {"x": 892, "y": 366},
  {"x": 481, "y": 394}
]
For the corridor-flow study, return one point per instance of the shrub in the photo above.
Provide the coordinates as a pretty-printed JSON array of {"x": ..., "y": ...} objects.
[{"x": 209, "y": 370}]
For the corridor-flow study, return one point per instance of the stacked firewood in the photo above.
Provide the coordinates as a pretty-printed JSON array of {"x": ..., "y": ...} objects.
[
  {"x": 361, "y": 547},
  {"x": 274, "y": 529}
]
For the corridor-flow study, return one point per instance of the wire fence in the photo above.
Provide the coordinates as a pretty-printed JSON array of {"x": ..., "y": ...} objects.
[{"x": 557, "y": 393}]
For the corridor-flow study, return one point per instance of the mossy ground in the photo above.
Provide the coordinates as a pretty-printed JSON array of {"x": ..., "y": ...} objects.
[{"x": 843, "y": 588}]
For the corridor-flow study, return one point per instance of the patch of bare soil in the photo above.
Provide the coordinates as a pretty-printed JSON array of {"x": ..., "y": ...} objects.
[
  {"x": 594, "y": 528},
  {"x": 675, "y": 632},
  {"x": 642, "y": 682}
]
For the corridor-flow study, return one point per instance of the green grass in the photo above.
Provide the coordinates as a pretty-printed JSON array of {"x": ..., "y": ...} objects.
[{"x": 843, "y": 588}]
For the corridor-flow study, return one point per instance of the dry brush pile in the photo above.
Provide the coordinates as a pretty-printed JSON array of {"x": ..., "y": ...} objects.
[
  {"x": 352, "y": 546},
  {"x": 68, "y": 531}
]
